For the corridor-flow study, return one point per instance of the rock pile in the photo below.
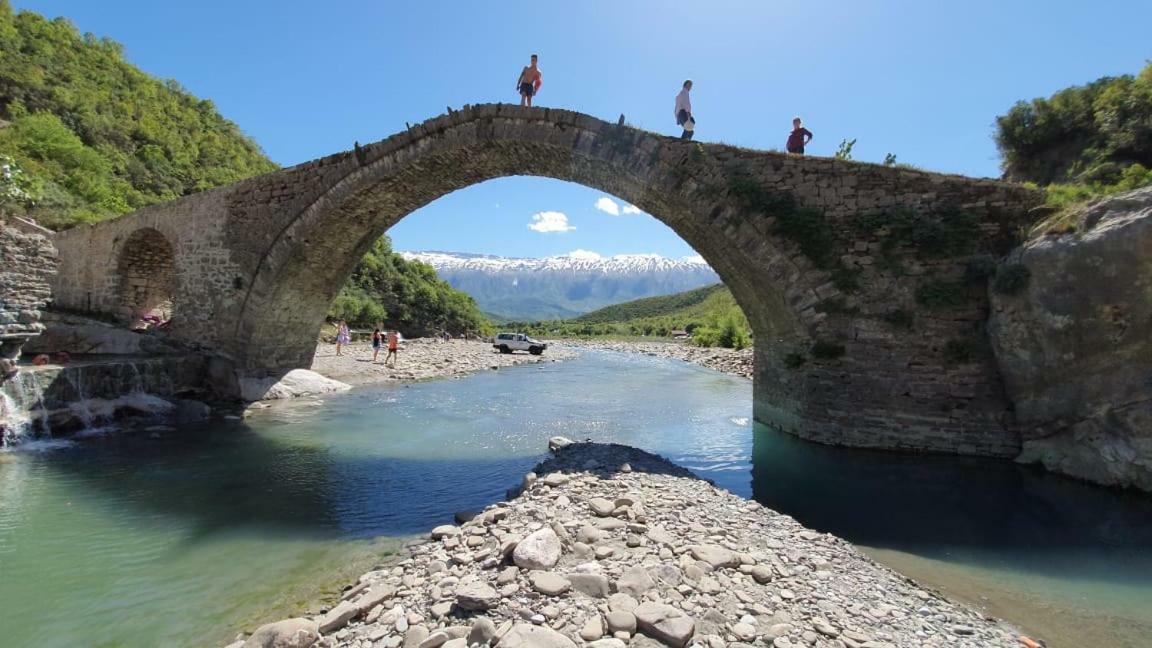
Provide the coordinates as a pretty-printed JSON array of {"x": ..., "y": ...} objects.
[
  {"x": 611, "y": 547},
  {"x": 729, "y": 361}
]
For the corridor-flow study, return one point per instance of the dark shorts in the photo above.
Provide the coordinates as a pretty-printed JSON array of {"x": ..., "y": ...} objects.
[
  {"x": 796, "y": 149},
  {"x": 682, "y": 118},
  {"x": 527, "y": 89},
  {"x": 375, "y": 345}
]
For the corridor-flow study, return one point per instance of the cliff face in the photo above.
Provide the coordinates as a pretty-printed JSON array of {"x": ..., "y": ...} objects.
[
  {"x": 27, "y": 261},
  {"x": 1075, "y": 347}
]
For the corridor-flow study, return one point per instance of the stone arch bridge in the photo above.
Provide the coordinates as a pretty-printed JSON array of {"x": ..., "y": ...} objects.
[{"x": 852, "y": 275}]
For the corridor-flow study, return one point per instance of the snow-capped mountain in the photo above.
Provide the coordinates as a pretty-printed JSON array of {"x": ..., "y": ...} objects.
[{"x": 564, "y": 286}]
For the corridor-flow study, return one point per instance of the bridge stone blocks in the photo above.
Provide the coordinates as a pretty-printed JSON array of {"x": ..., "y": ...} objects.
[{"x": 256, "y": 264}]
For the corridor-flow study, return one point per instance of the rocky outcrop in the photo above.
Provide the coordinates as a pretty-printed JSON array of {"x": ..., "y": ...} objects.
[
  {"x": 1075, "y": 346},
  {"x": 27, "y": 262},
  {"x": 298, "y": 382},
  {"x": 83, "y": 336},
  {"x": 677, "y": 563}
]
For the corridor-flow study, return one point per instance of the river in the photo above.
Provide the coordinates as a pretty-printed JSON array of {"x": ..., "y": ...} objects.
[{"x": 187, "y": 538}]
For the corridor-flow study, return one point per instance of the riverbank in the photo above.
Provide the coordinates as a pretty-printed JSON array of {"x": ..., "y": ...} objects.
[
  {"x": 422, "y": 359},
  {"x": 609, "y": 545},
  {"x": 729, "y": 361}
]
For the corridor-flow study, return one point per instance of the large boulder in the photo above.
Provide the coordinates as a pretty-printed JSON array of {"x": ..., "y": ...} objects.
[
  {"x": 289, "y": 633},
  {"x": 295, "y": 383},
  {"x": 1075, "y": 345},
  {"x": 523, "y": 635},
  {"x": 540, "y": 550}
]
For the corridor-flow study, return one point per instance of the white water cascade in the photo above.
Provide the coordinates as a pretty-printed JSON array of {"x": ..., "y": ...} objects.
[{"x": 17, "y": 415}]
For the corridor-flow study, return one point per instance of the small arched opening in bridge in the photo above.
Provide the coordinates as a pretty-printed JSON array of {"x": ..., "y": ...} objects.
[{"x": 146, "y": 275}]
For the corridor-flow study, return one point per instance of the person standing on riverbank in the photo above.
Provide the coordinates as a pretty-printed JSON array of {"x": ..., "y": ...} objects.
[
  {"x": 393, "y": 345},
  {"x": 529, "y": 82},
  {"x": 343, "y": 336},
  {"x": 376, "y": 340},
  {"x": 798, "y": 138},
  {"x": 683, "y": 111}
]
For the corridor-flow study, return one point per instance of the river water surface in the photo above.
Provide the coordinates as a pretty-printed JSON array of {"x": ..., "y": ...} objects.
[{"x": 186, "y": 539}]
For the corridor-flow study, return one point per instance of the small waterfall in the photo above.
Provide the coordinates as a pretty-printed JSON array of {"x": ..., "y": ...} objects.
[
  {"x": 81, "y": 407},
  {"x": 18, "y": 410},
  {"x": 137, "y": 378},
  {"x": 38, "y": 398},
  {"x": 18, "y": 424}
]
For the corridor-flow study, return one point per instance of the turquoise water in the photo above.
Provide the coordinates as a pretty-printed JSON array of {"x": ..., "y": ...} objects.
[{"x": 186, "y": 539}]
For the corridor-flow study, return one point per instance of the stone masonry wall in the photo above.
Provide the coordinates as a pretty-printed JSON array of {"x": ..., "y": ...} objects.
[
  {"x": 27, "y": 261},
  {"x": 258, "y": 263}
]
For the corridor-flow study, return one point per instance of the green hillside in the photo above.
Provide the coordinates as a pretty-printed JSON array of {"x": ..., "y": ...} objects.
[
  {"x": 1084, "y": 141},
  {"x": 405, "y": 295},
  {"x": 93, "y": 137},
  {"x": 665, "y": 305},
  {"x": 86, "y": 136},
  {"x": 710, "y": 314}
]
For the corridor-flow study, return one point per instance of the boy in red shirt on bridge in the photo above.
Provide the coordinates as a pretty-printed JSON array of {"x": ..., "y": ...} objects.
[{"x": 798, "y": 138}]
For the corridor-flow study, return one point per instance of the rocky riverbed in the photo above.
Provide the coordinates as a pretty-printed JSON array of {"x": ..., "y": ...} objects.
[
  {"x": 729, "y": 361},
  {"x": 609, "y": 546},
  {"x": 422, "y": 359}
]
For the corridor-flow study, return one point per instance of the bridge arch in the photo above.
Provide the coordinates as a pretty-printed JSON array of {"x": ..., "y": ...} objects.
[
  {"x": 854, "y": 345},
  {"x": 312, "y": 257}
]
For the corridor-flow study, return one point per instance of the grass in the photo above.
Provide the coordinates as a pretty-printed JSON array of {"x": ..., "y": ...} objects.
[{"x": 941, "y": 294}]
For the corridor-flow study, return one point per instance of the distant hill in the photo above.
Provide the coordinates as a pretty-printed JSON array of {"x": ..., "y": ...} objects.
[
  {"x": 709, "y": 314},
  {"x": 563, "y": 287},
  {"x": 680, "y": 305}
]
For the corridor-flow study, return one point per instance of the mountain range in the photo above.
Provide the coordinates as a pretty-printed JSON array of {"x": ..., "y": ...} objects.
[{"x": 560, "y": 287}]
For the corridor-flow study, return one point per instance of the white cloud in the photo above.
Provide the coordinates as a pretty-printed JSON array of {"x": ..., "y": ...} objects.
[
  {"x": 550, "y": 221},
  {"x": 631, "y": 209},
  {"x": 696, "y": 258},
  {"x": 584, "y": 254},
  {"x": 608, "y": 206}
]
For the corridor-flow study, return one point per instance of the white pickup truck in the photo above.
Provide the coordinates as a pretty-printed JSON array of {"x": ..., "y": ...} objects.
[{"x": 509, "y": 342}]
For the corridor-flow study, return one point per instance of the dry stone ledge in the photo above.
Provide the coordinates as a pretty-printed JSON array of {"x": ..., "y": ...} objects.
[{"x": 726, "y": 572}]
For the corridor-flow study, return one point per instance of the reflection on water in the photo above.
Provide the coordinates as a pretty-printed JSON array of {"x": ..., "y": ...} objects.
[
  {"x": 1037, "y": 543},
  {"x": 185, "y": 539}
]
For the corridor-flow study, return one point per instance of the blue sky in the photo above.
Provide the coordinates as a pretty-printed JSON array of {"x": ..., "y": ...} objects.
[{"x": 922, "y": 79}]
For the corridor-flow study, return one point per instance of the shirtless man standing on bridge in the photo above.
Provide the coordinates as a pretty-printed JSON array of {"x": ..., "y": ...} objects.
[{"x": 529, "y": 82}]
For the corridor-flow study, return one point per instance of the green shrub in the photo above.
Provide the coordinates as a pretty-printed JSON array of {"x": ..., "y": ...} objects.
[
  {"x": 807, "y": 228},
  {"x": 794, "y": 360},
  {"x": 941, "y": 294},
  {"x": 944, "y": 234},
  {"x": 898, "y": 318},
  {"x": 980, "y": 268},
  {"x": 959, "y": 351},
  {"x": 844, "y": 151},
  {"x": 846, "y": 279},
  {"x": 835, "y": 305},
  {"x": 825, "y": 350},
  {"x": 1011, "y": 279}
]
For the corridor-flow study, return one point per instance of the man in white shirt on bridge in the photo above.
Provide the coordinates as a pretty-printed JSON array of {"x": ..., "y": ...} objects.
[{"x": 684, "y": 111}]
